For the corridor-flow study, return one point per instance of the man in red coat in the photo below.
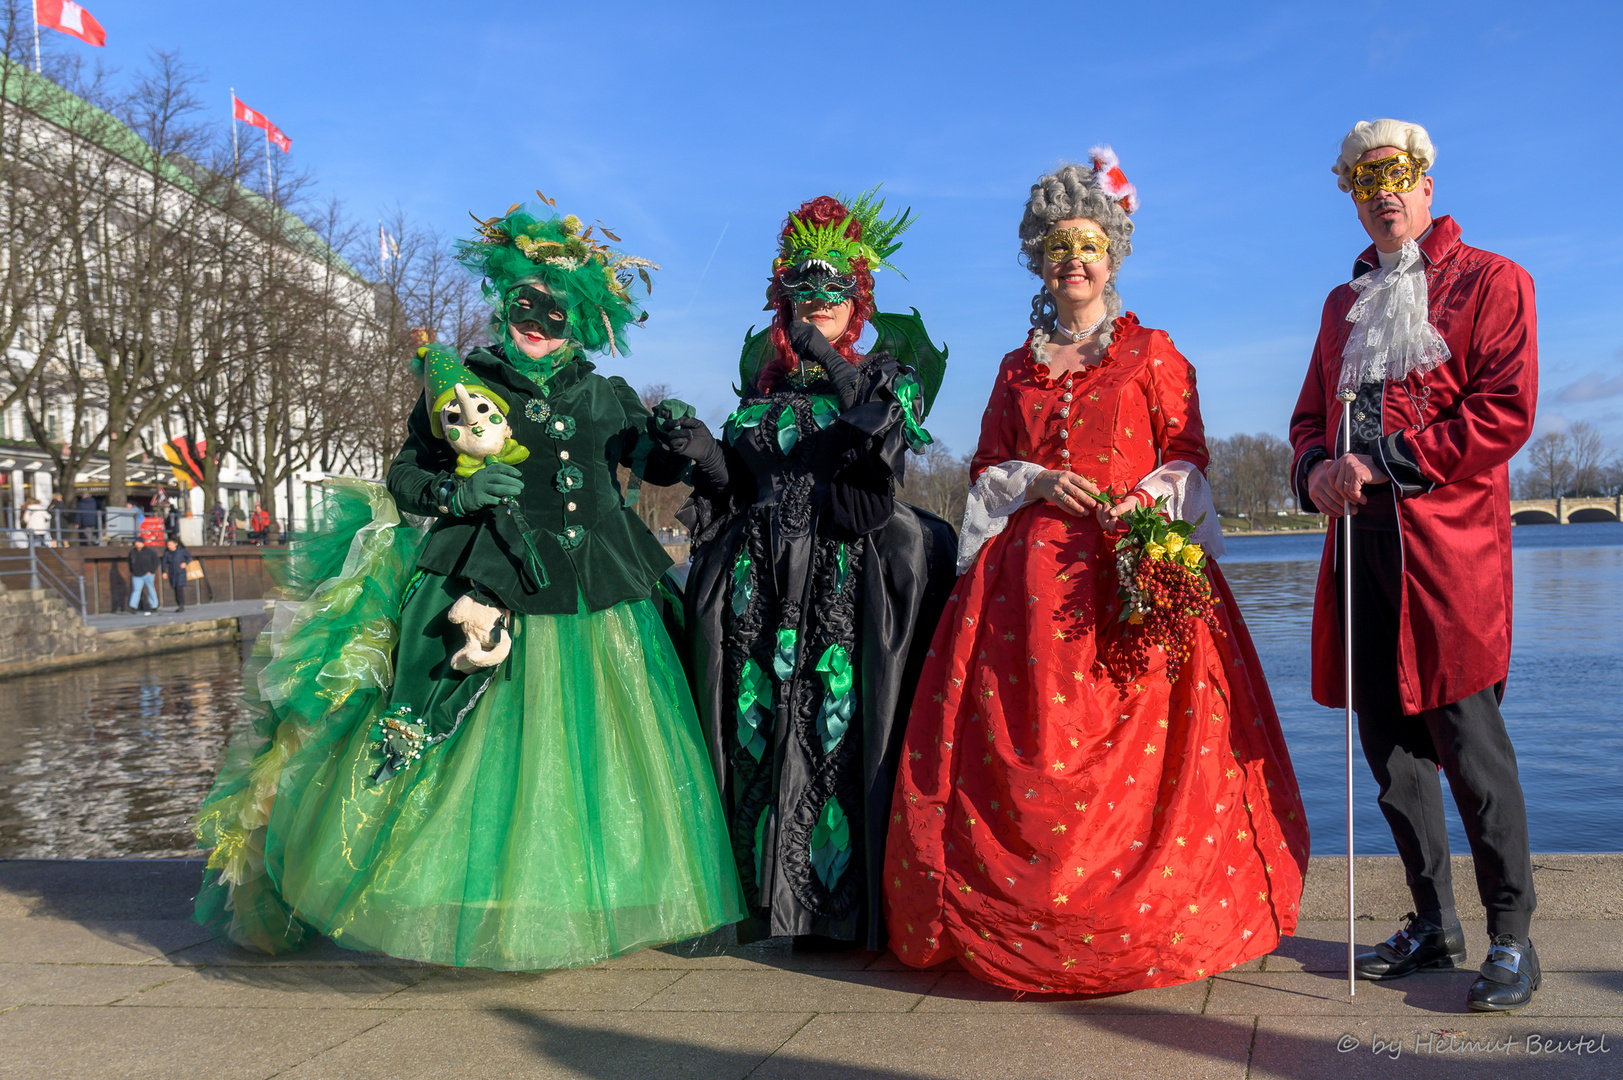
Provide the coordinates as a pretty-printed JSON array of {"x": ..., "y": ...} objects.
[{"x": 1436, "y": 342}]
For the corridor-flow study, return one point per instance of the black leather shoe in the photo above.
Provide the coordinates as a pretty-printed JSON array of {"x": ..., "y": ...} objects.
[
  {"x": 1418, "y": 945},
  {"x": 1509, "y": 976}
]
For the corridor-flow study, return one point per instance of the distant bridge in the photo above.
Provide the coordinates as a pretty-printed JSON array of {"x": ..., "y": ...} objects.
[{"x": 1566, "y": 510}]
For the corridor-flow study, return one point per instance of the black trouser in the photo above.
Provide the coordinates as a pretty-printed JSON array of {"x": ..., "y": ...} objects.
[{"x": 1466, "y": 738}]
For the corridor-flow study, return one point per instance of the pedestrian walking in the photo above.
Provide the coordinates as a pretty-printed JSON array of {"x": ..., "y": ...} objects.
[
  {"x": 144, "y": 562},
  {"x": 37, "y": 520},
  {"x": 87, "y": 512},
  {"x": 176, "y": 560}
]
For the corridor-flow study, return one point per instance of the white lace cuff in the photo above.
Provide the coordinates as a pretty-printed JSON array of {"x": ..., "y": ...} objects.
[
  {"x": 1188, "y": 497},
  {"x": 997, "y": 493}
]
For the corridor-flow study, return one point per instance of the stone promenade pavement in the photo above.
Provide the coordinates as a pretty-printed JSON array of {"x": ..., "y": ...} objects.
[{"x": 101, "y": 975}]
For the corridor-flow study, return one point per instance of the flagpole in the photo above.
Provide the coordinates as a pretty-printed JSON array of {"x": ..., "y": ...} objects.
[
  {"x": 268, "y": 193},
  {"x": 236, "y": 157},
  {"x": 1346, "y": 397},
  {"x": 36, "y": 38}
]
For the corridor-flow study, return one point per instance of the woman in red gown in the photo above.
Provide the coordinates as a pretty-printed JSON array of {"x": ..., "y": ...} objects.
[{"x": 1067, "y": 818}]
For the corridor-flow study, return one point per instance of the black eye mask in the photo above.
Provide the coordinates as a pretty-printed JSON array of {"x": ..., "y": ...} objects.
[{"x": 528, "y": 304}]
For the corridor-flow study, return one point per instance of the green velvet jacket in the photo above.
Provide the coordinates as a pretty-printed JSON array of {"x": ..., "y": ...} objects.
[{"x": 578, "y": 428}]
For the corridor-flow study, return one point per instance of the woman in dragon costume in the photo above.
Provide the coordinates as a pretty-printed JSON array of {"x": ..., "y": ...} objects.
[
  {"x": 475, "y": 742},
  {"x": 812, "y": 591}
]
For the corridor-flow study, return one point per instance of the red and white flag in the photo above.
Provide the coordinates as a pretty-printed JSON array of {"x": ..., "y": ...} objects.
[
  {"x": 71, "y": 19},
  {"x": 259, "y": 120}
]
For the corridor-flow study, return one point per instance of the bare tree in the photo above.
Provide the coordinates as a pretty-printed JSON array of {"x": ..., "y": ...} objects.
[
  {"x": 1250, "y": 474},
  {"x": 1549, "y": 467},
  {"x": 1589, "y": 454},
  {"x": 938, "y": 481}
]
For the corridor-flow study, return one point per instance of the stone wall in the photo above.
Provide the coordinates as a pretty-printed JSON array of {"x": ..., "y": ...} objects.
[{"x": 39, "y": 632}]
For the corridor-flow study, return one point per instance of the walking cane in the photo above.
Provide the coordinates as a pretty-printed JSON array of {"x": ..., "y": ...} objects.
[{"x": 1346, "y": 397}]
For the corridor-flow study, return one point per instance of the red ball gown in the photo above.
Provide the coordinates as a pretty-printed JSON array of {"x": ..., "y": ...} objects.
[{"x": 1066, "y": 820}]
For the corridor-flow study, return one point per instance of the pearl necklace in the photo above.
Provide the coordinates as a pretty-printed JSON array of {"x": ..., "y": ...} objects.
[{"x": 1073, "y": 338}]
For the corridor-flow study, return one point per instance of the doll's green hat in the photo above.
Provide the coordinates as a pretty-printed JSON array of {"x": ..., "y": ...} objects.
[{"x": 441, "y": 370}]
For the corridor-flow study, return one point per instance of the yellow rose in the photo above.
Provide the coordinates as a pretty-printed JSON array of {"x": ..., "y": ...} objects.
[
  {"x": 1192, "y": 554},
  {"x": 1152, "y": 550},
  {"x": 1174, "y": 542}
]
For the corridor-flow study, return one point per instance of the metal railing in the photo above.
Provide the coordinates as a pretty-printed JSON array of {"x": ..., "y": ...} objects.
[
  {"x": 117, "y": 526},
  {"x": 43, "y": 568}
]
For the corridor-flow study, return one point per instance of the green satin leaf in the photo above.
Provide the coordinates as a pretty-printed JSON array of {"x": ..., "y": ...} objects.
[
  {"x": 783, "y": 662},
  {"x": 742, "y": 588},
  {"x": 831, "y": 843},
  {"x": 842, "y": 564},
  {"x": 788, "y": 430},
  {"x": 754, "y": 708},
  {"x": 908, "y": 393},
  {"x": 760, "y": 841},
  {"x": 825, "y": 410},
  {"x": 839, "y": 703},
  {"x": 747, "y": 417}
]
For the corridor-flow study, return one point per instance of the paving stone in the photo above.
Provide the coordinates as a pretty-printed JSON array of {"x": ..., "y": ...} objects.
[
  {"x": 276, "y": 987},
  {"x": 320, "y": 952},
  {"x": 57, "y": 1043},
  {"x": 889, "y": 961},
  {"x": 1569, "y": 887},
  {"x": 1421, "y": 994},
  {"x": 75, "y": 984},
  {"x": 1563, "y": 945},
  {"x": 506, "y": 1042},
  {"x": 1457, "y": 1048},
  {"x": 1020, "y": 1047},
  {"x": 559, "y": 991},
  {"x": 793, "y": 991},
  {"x": 99, "y": 889},
  {"x": 743, "y": 958},
  {"x": 68, "y": 941},
  {"x": 959, "y": 991}
]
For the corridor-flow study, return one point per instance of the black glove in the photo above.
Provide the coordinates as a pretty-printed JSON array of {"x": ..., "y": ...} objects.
[
  {"x": 814, "y": 348},
  {"x": 690, "y": 437},
  {"x": 488, "y": 487}
]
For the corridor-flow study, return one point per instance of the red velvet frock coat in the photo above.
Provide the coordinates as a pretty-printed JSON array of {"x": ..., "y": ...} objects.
[
  {"x": 1059, "y": 824},
  {"x": 1461, "y": 423}
]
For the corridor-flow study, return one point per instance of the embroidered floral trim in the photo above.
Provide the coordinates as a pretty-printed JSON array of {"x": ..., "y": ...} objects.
[
  {"x": 568, "y": 478},
  {"x": 561, "y": 427}
]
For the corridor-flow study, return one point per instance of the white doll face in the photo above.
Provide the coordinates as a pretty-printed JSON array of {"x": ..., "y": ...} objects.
[{"x": 473, "y": 423}]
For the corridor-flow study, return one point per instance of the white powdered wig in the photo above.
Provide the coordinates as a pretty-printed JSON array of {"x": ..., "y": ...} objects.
[
  {"x": 1366, "y": 135},
  {"x": 1392, "y": 336}
]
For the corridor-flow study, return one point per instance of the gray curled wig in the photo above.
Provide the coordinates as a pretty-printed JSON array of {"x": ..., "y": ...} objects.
[{"x": 1072, "y": 191}]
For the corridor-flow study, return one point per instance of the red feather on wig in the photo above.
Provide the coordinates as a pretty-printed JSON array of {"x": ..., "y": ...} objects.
[{"x": 823, "y": 210}]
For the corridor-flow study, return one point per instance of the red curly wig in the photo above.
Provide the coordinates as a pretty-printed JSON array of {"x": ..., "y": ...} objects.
[{"x": 823, "y": 210}]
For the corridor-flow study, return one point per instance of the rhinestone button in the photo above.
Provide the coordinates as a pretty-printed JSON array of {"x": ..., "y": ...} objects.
[
  {"x": 1066, "y": 411},
  {"x": 1064, "y": 433},
  {"x": 1064, "y": 453},
  {"x": 569, "y": 506},
  {"x": 1067, "y": 396},
  {"x": 563, "y": 455}
]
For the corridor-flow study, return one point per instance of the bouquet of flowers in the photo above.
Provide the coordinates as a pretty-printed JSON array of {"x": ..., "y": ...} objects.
[{"x": 1163, "y": 588}]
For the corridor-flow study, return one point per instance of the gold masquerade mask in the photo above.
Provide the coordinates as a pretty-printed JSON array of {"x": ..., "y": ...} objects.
[
  {"x": 1397, "y": 174},
  {"x": 1086, "y": 245}
]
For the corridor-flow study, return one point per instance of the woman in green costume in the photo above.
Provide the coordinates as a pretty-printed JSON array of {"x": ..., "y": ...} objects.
[{"x": 475, "y": 743}]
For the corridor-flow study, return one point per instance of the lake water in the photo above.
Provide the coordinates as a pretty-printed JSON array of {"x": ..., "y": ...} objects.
[{"x": 111, "y": 761}]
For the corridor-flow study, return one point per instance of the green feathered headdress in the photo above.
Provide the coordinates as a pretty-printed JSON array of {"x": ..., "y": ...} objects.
[
  {"x": 584, "y": 275},
  {"x": 827, "y": 244}
]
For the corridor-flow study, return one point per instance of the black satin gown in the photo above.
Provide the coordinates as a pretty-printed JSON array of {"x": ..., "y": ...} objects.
[{"x": 810, "y": 604}]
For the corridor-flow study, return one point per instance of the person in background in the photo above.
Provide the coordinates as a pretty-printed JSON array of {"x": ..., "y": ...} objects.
[
  {"x": 37, "y": 520},
  {"x": 1436, "y": 345},
  {"x": 88, "y": 512},
  {"x": 259, "y": 523},
  {"x": 217, "y": 522},
  {"x": 171, "y": 520},
  {"x": 144, "y": 563},
  {"x": 239, "y": 523},
  {"x": 175, "y": 560},
  {"x": 55, "y": 509}
]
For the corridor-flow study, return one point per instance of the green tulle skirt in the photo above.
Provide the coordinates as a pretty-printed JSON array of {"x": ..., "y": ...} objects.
[{"x": 572, "y": 816}]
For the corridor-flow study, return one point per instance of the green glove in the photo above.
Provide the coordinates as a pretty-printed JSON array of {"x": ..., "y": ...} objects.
[{"x": 489, "y": 486}]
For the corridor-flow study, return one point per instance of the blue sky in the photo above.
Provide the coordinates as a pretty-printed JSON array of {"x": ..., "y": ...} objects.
[{"x": 691, "y": 129}]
